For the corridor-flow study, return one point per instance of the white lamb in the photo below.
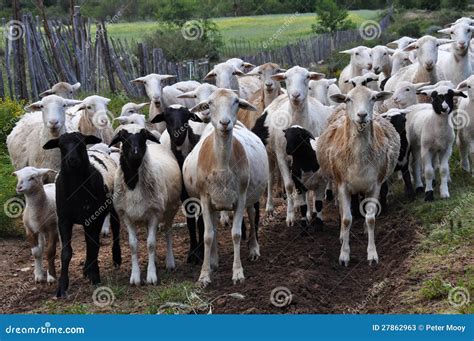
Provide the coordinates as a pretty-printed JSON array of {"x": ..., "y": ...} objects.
[
  {"x": 62, "y": 89},
  {"x": 464, "y": 120},
  {"x": 132, "y": 108},
  {"x": 361, "y": 61},
  {"x": 323, "y": 89}
]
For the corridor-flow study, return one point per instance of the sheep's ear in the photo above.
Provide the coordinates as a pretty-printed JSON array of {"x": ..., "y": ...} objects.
[
  {"x": 43, "y": 172},
  {"x": 71, "y": 102},
  {"x": 139, "y": 80},
  {"x": 119, "y": 137},
  {"x": 314, "y": 144},
  {"x": 255, "y": 71},
  {"x": 15, "y": 174},
  {"x": 420, "y": 85},
  {"x": 149, "y": 136},
  {"x": 158, "y": 118},
  {"x": 279, "y": 77},
  {"x": 34, "y": 106},
  {"x": 237, "y": 72},
  {"x": 444, "y": 41},
  {"x": 51, "y": 144},
  {"x": 280, "y": 70},
  {"x": 391, "y": 51},
  {"x": 164, "y": 77},
  {"x": 315, "y": 76},
  {"x": 141, "y": 105},
  {"x": 393, "y": 44},
  {"x": 46, "y": 93},
  {"x": 332, "y": 81},
  {"x": 350, "y": 51},
  {"x": 204, "y": 105},
  {"x": 82, "y": 106},
  {"x": 243, "y": 104},
  {"x": 462, "y": 86},
  {"x": 189, "y": 94},
  {"x": 76, "y": 86},
  {"x": 193, "y": 117},
  {"x": 410, "y": 47},
  {"x": 211, "y": 75},
  {"x": 121, "y": 119},
  {"x": 91, "y": 139},
  {"x": 446, "y": 31},
  {"x": 381, "y": 96},
  {"x": 338, "y": 98},
  {"x": 248, "y": 65},
  {"x": 459, "y": 93}
]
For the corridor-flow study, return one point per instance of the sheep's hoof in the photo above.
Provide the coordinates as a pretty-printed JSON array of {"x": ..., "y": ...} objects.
[
  {"x": 204, "y": 281},
  {"x": 429, "y": 196},
  {"x": 40, "y": 277},
  {"x": 420, "y": 190},
  {"x": 344, "y": 258},
  {"x": 254, "y": 253},
  {"x": 318, "y": 223},
  {"x": 151, "y": 278},
  {"x": 61, "y": 293},
  {"x": 50, "y": 279},
  {"x": 329, "y": 195},
  {"x": 444, "y": 195},
  {"x": 135, "y": 279},
  {"x": 372, "y": 257},
  {"x": 238, "y": 276},
  {"x": 170, "y": 265}
]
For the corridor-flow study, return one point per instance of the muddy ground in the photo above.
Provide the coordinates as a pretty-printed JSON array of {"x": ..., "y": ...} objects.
[{"x": 307, "y": 265}]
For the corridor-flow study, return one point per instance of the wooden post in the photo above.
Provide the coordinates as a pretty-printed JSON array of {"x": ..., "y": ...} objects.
[
  {"x": 19, "y": 56},
  {"x": 106, "y": 55}
]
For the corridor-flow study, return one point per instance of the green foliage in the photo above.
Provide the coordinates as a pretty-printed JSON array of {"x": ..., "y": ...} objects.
[
  {"x": 410, "y": 29},
  {"x": 331, "y": 17},
  {"x": 435, "y": 288}
]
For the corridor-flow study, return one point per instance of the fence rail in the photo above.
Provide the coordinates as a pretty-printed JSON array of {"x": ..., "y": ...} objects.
[{"x": 39, "y": 52}]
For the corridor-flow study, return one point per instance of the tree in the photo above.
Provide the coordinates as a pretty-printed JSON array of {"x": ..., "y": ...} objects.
[{"x": 331, "y": 17}]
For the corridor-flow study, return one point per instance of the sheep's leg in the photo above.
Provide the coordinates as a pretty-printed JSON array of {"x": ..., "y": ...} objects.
[
  {"x": 410, "y": 193},
  {"x": 254, "y": 248},
  {"x": 37, "y": 252},
  {"x": 346, "y": 220},
  {"x": 464, "y": 151},
  {"x": 416, "y": 169},
  {"x": 214, "y": 253},
  {"x": 271, "y": 180},
  {"x": 205, "y": 276},
  {"x": 116, "y": 250},
  {"x": 329, "y": 193},
  {"x": 151, "y": 277},
  {"x": 444, "y": 173},
  {"x": 106, "y": 227},
  {"x": 318, "y": 203},
  {"x": 92, "y": 252},
  {"x": 133, "y": 242},
  {"x": 191, "y": 209},
  {"x": 428, "y": 159},
  {"x": 471, "y": 153},
  {"x": 370, "y": 210},
  {"x": 52, "y": 237},
  {"x": 170, "y": 264},
  {"x": 237, "y": 270},
  {"x": 289, "y": 187},
  {"x": 65, "y": 232}
]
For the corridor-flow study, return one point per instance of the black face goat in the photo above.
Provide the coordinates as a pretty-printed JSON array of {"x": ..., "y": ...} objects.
[{"x": 83, "y": 198}]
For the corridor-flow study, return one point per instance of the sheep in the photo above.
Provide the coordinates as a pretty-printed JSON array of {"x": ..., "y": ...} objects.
[
  {"x": 401, "y": 43},
  {"x": 358, "y": 151},
  {"x": 368, "y": 79},
  {"x": 84, "y": 187},
  {"x": 226, "y": 171},
  {"x": 45, "y": 120},
  {"x": 323, "y": 89},
  {"x": 424, "y": 70},
  {"x": 405, "y": 94},
  {"x": 91, "y": 117},
  {"x": 153, "y": 84},
  {"x": 240, "y": 64},
  {"x": 400, "y": 59},
  {"x": 62, "y": 89},
  {"x": 201, "y": 93},
  {"x": 382, "y": 61},
  {"x": 147, "y": 171},
  {"x": 39, "y": 218},
  {"x": 431, "y": 136},
  {"x": 132, "y": 108},
  {"x": 455, "y": 65},
  {"x": 464, "y": 120},
  {"x": 296, "y": 107},
  {"x": 301, "y": 146},
  {"x": 171, "y": 93},
  {"x": 361, "y": 61}
]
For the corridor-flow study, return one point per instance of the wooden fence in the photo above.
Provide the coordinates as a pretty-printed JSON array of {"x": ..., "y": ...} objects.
[{"x": 39, "y": 53}]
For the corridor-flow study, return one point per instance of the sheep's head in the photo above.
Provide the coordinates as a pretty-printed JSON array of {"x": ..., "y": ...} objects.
[
  {"x": 360, "y": 103},
  {"x": 427, "y": 50},
  {"x": 401, "y": 43},
  {"x": 223, "y": 106},
  {"x": 240, "y": 64},
  {"x": 467, "y": 85},
  {"x": 53, "y": 109},
  {"x": 299, "y": 141},
  {"x": 225, "y": 75},
  {"x": 62, "y": 89},
  {"x": 297, "y": 83},
  {"x": 400, "y": 59},
  {"x": 96, "y": 110},
  {"x": 381, "y": 58},
  {"x": 405, "y": 93},
  {"x": 132, "y": 108},
  {"x": 461, "y": 33},
  {"x": 153, "y": 84},
  {"x": 442, "y": 98},
  {"x": 73, "y": 146},
  {"x": 30, "y": 179},
  {"x": 363, "y": 80},
  {"x": 319, "y": 89},
  {"x": 201, "y": 93},
  {"x": 176, "y": 118},
  {"x": 361, "y": 57},
  {"x": 265, "y": 73},
  {"x": 138, "y": 119},
  {"x": 397, "y": 117}
]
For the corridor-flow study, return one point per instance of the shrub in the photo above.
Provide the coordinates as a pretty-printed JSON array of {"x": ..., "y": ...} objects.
[{"x": 331, "y": 17}]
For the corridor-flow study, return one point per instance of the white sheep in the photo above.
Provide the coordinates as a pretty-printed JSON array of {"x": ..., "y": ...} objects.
[
  {"x": 92, "y": 117},
  {"x": 401, "y": 43},
  {"x": 382, "y": 61},
  {"x": 226, "y": 171},
  {"x": 400, "y": 59},
  {"x": 323, "y": 89},
  {"x": 405, "y": 94},
  {"x": 361, "y": 61},
  {"x": 464, "y": 119},
  {"x": 150, "y": 172},
  {"x": 62, "y": 89},
  {"x": 171, "y": 93},
  {"x": 39, "y": 218},
  {"x": 132, "y": 108},
  {"x": 240, "y": 64},
  {"x": 46, "y": 120},
  {"x": 358, "y": 151}
]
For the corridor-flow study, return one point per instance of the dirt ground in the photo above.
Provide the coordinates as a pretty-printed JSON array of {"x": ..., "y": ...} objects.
[{"x": 306, "y": 265}]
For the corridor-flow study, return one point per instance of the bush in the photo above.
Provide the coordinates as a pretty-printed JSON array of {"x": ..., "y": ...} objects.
[
  {"x": 331, "y": 17},
  {"x": 411, "y": 29}
]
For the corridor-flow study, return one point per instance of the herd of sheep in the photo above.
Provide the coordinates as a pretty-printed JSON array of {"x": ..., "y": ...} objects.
[{"x": 214, "y": 149}]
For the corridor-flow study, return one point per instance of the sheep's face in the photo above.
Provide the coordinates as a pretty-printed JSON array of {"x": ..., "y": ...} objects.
[
  {"x": 319, "y": 89},
  {"x": 53, "y": 109},
  {"x": 405, "y": 93},
  {"x": 467, "y": 86},
  {"x": 201, "y": 93},
  {"x": 427, "y": 50},
  {"x": 401, "y": 43},
  {"x": 62, "y": 89},
  {"x": 397, "y": 117},
  {"x": 132, "y": 108},
  {"x": 361, "y": 57},
  {"x": 73, "y": 146},
  {"x": 223, "y": 105},
  {"x": 442, "y": 99},
  {"x": 297, "y": 83},
  {"x": 400, "y": 59},
  {"x": 461, "y": 33},
  {"x": 96, "y": 109},
  {"x": 153, "y": 84},
  {"x": 360, "y": 103},
  {"x": 137, "y": 119},
  {"x": 297, "y": 140},
  {"x": 240, "y": 64},
  {"x": 177, "y": 120},
  {"x": 265, "y": 73},
  {"x": 30, "y": 179},
  {"x": 381, "y": 58},
  {"x": 363, "y": 80},
  {"x": 225, "y": 75}
]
